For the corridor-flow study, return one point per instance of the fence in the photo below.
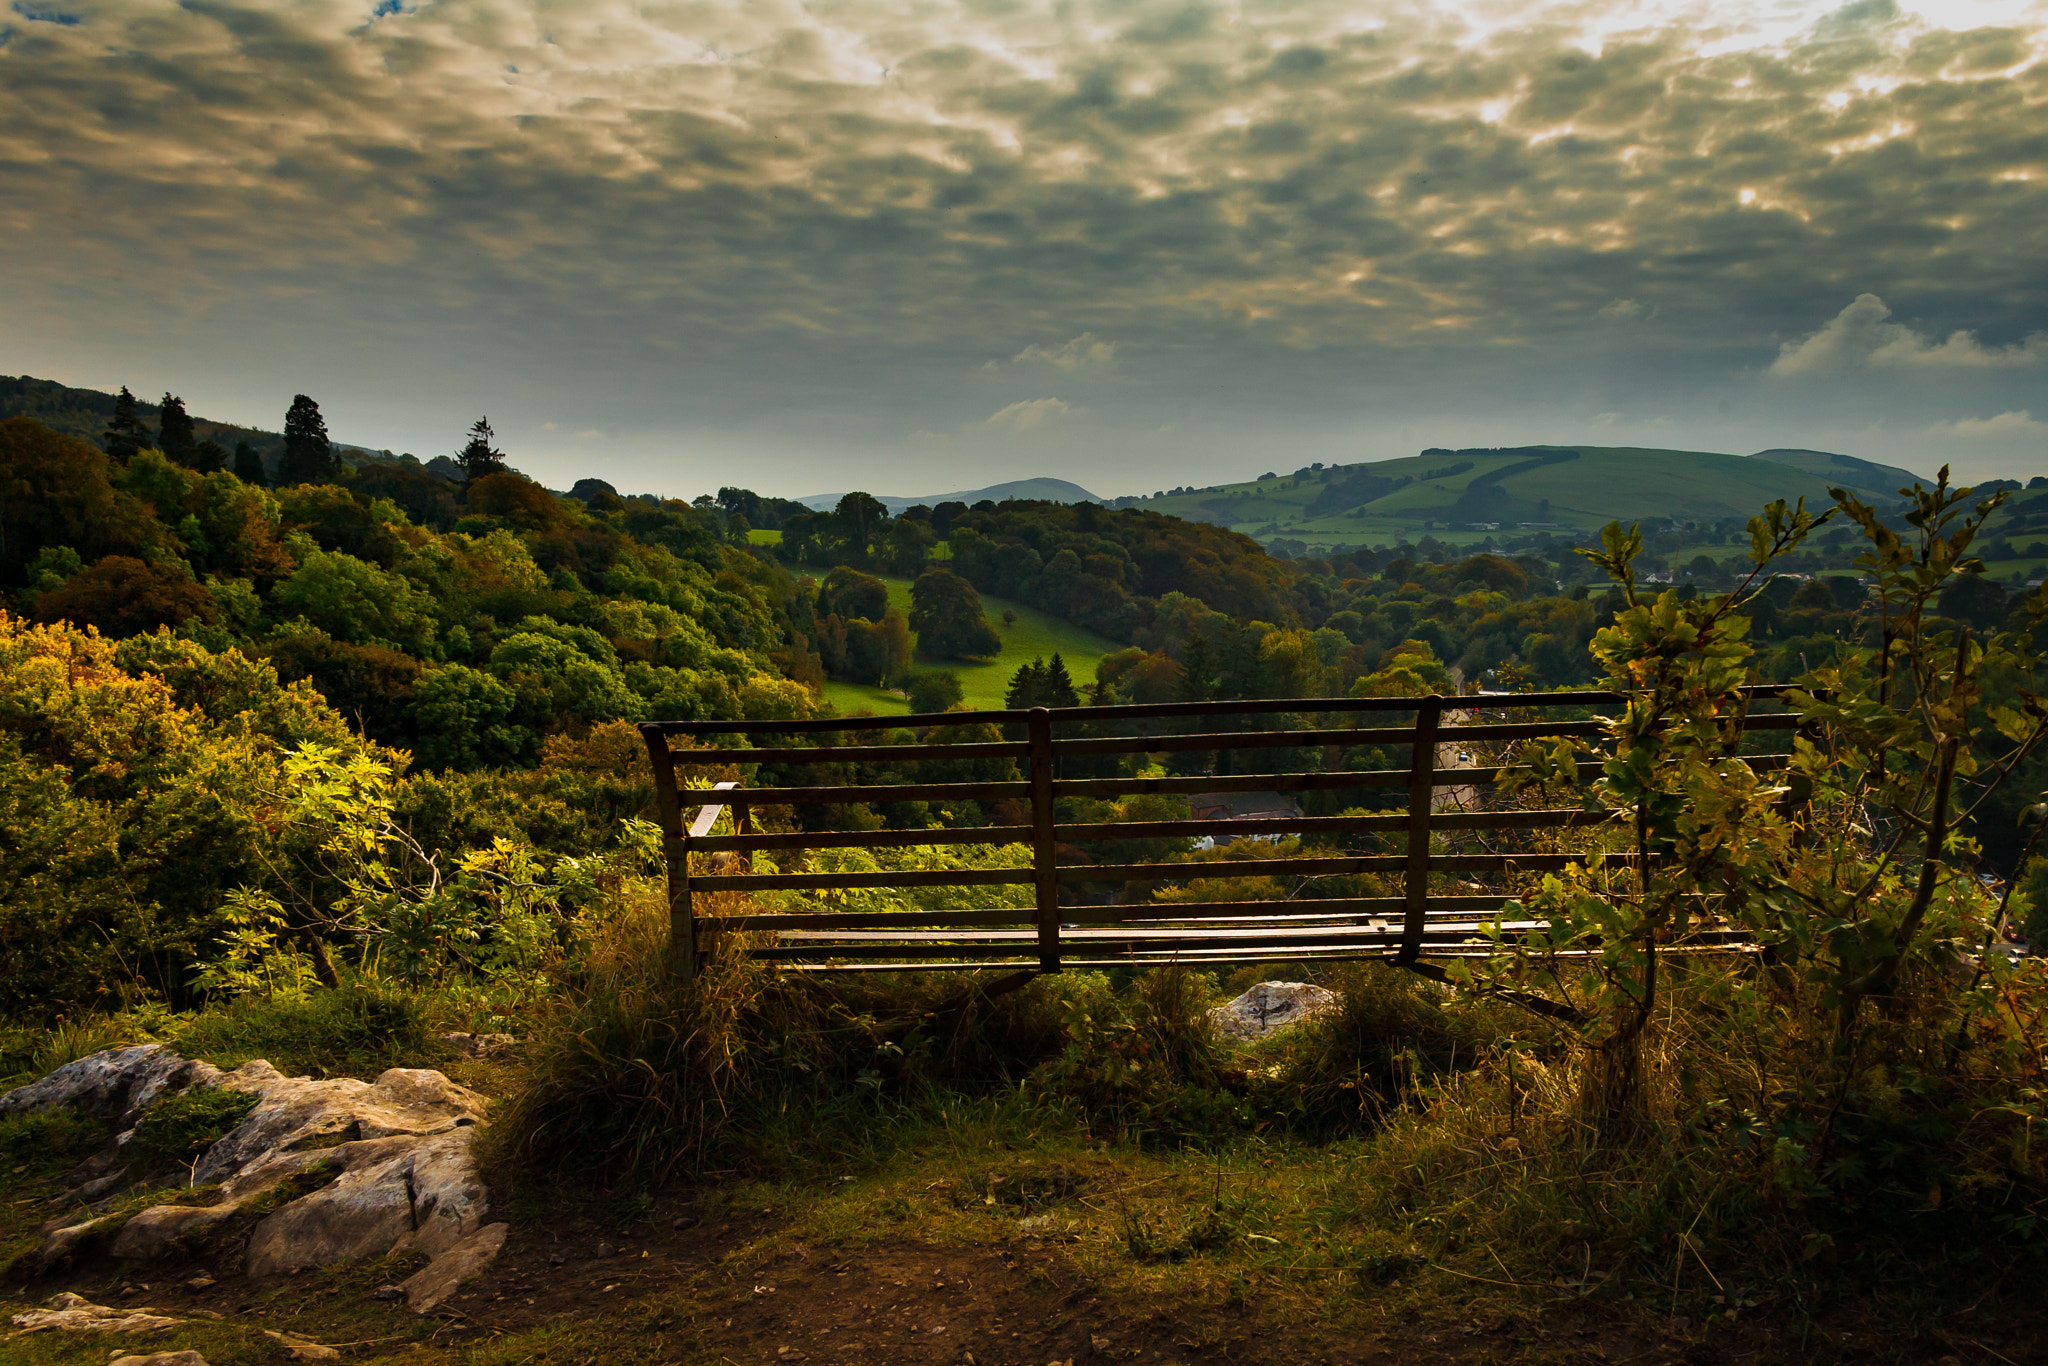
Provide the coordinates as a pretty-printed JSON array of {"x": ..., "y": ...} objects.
[{"x": 1066, "y": 924}]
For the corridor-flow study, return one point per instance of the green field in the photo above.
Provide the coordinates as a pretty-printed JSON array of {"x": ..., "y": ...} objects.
[
  {"x": 1033, "y": 635},
  {"x": 1462, "y": 497},
  {"x": 762, "y": 536}
]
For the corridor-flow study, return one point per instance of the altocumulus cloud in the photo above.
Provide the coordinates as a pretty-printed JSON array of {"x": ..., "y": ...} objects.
[
  {"x": 766, "y": 197},
  {"x": 1861, "y": 337}
]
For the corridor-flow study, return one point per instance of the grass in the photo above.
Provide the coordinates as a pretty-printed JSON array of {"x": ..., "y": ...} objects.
[
  {"x": 1630, "y": 483},
  {"x": 1033, "y": 634}
]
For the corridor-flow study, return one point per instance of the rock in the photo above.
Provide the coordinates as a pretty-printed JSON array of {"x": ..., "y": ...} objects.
[
  {"x": 481, "y": 1046},
  {"x": 303, "y": 1348},
  {"x": 198, "y": 1283},
  {"x": 100, "y": 1185},
  {"x": 1269, "y": 1008},
  {"x": 121, "y": 1082},
  {"x": 76, "y": 1313},
  {"x": 391, "y": 1158},
  {"x": 388, "y": 1292},
  {"x": 428, "y": 1287},
  {"x": 161, "y": 1359},
  {"x": 297, "y": 1111}
]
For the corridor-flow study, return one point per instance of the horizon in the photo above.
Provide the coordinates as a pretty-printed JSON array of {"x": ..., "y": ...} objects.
[{"x": 1134, "y": 247}]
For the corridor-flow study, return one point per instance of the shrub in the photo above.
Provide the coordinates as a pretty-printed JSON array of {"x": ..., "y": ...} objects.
[{"x": 177, "y": 1130}]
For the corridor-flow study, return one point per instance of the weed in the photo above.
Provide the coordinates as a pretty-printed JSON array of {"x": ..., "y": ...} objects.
[
  {"x": 44, "y": 1141},
  {"x": 361, "y": 1027}
]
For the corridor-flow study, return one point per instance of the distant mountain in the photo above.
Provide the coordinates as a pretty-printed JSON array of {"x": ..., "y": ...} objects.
[
  {"x": 83, "y": 413},
  {"x": 1044, "y": 490},
  {"x": 1464, "y": 495},
  {"x": 1846, "y": 471}
]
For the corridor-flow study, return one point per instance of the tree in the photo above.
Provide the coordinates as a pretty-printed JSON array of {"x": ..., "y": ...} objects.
[
  {"x": 1027, "y": 685},
  {"x": 1041, "y": 684},
  {"x": 308, "y": 455},
  {"x": 478, "y": 457},
  {"x": 855, "y": 523},
  {"x": 209, "y": 457},
  {"x": 174, "y": 435},
  {"x": 123, "y": 596},
  {"x": 847, "y": 593},
  {"x": 249, "y": 465},
  {"x": 946, "y": 614},
  {"x": 125, "y": 433},
  {"x": 54, "y": 491},
  {"x": 1059, "y": 685},
  {"x": 934, "y": 690}
]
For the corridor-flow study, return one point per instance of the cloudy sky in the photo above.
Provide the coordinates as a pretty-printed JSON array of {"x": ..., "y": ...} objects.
[{"x": 921, "y": 245}]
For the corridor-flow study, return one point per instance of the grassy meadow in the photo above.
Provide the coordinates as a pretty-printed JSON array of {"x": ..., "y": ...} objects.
[{"x": 1033, "y": 634}]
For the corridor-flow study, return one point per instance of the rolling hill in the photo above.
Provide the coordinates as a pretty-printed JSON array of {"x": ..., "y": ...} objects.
[
  {"x": 83, "y": 413},
  {"x": 1467, "y": 495},
  {"x": 1044, "y": 490}
]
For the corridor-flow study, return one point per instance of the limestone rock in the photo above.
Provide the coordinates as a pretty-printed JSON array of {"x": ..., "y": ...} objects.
[
  {"x": 390, "y": 1160},
  {"x": 161, "y": 1359},
  {"x": 464, "y": 1261},
  {"x": 76, "y": 1313},
  {"x": 121, "y": 1082},
  {"x": 303, "y": 1348},
  {"x": 1269, "y": 1008},
  {"x": 424, "y": 1198},
  {"x": 297, "y": 1112},
  {"x": 480, "y": 1045}
]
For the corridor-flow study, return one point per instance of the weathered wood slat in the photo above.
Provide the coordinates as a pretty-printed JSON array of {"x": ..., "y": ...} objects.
[
  {"x": 1333, "y": 825},
  {"x": 1316, "y": 867},
  {"x": 827, "y": 882},
  {"x": 886, "y": 792},
  {"x": 857, "y": 754},
  {"x": 862, "y": 839}
]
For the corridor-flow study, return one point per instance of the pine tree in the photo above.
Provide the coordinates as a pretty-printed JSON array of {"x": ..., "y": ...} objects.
[
  {"x": 479, "y": 457},
  {"x": 308, "y": 455},
  {"x": 249, "y": 465},
  {"x": 174, "y": 436},
  {"x": 209, "y": 456},
  {"x": 1058, "y": 686},
  {"x": 125, "y": 433},
  {"x": 1027, "y": 686}
]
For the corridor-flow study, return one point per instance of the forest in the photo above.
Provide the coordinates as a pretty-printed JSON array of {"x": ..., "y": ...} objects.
[{"x": 319, "y": 759}]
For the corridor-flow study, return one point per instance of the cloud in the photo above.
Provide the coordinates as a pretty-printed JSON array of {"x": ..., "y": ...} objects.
[
  {"x": 2015, "y": 422},
  {"x": 767, "y": 211},
  {"x": 1029, "y": 414},
  {"x": 1082, "y": 352},
  {"x": 1861, "y": 338}
]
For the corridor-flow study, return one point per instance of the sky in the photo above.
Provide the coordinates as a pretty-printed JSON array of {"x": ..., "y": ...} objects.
[{"x": 916, "y": 246}]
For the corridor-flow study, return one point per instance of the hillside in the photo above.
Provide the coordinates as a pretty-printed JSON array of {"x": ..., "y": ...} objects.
[
  {"x": 1464, "y": 496},
  {"x": 1044, "y": 490},
  {"x": 83, "y": 413},
  {"x": 1033, "y": 634}
]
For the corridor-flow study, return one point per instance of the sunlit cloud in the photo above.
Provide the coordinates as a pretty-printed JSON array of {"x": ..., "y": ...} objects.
[
  {"x": 2017, "y": 422},
  {"x": 1860, "y": 337},
  {"x": 1086, "y": 351},
  {"x": 1028, "y": 415},
  {"x": 857, "y": 216}
]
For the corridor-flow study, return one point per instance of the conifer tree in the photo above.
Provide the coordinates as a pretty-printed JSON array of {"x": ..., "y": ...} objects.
[
  {"x": 249, "y": 465},
  {"x": 174, "y": 436},
  {"x": 209, "y": 456},
  {"x": 125, "y": 433},
  {"x": 1027, "y": 686},
  {"x": 479, "y": 457},
  {"x": 308, "y": 455},
  {"x": 1058, "y": 686}
]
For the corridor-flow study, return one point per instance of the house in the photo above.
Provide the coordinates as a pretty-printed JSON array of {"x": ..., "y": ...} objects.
[{"x": 1224, "y": 807}]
